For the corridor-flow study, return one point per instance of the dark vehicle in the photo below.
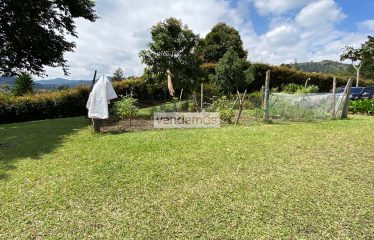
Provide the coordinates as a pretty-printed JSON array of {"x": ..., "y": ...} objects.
[{"x": 359, "y": 92}]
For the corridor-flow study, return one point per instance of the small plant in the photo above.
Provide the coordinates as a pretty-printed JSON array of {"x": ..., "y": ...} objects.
[
  {"x": 365, "y": 106},
  {"x": 125, "y": 108},
  {"x": 23, "y": 85},
  {"x": 224, "y": 107},
  {"x": 293, "y": 88}
]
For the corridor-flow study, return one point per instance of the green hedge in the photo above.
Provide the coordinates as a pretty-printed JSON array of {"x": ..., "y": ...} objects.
[
  {"x": 281, "y": 76},
  {"x": 67, "y": 103}
]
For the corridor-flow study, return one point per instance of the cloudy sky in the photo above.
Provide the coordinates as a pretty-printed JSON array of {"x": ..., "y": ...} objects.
[{"x": 273, "y": 31}]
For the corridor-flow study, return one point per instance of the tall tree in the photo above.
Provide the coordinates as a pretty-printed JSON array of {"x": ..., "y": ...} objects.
[
  {"x": 118, "y": 75},
  {"x": 233, "y": 72},
  {"x": 23, "y": 85},
  {"x": 218, "y": 41},
  {"x": 360, "y": 56},
  {"x": 32, "y": 33},
  {"x": 172, "y": 48}
]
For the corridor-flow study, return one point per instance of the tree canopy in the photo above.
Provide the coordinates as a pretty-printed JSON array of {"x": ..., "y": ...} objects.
[
  {"x": 218, "y": 41},
  {"x": 172, "y": 47},
  {"x": 233, "y": 72},
  {"x": 33, "y": 33},
  {"x": 118, "y": 75},
  {"x": 364, "y": 56}
]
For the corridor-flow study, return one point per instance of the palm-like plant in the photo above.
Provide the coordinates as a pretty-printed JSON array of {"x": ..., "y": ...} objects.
[{"x": 23, "y": 85}]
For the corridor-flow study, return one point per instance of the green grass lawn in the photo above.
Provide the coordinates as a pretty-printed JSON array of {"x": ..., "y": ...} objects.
[{"x": 58, "y": 180}]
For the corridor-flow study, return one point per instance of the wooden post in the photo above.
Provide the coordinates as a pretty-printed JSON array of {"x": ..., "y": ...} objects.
[
  {"x": 180, "y": 96},
  {"x": 334, "y": 98},
  {"x": 93, "y": 83},
  {"x": 202, "y": 97},
  {"x": 262, "y": 95},
  {"x": 96, "y": 124},
  {"x": 241, "y": 103},
  {"x": 347, "y": 93},
  {"x": 93, "y": 80},
  {"x": 266, "y": 96}
]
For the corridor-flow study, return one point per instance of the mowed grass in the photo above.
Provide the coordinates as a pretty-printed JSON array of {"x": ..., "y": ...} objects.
[{"x": 58, "y": 180}]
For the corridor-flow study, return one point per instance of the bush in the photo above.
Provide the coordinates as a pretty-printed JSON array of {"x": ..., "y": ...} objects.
[
  {"x": 365, "y": 106},
  {"x": 224, "y": 107},
  {"x": 281, "y": 75},
  {"x": 294, "y": 88},
  {"x": 125, "y": 108}
]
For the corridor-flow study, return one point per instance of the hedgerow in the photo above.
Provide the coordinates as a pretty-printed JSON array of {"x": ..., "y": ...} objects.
[{"x": 67, "y": 103}]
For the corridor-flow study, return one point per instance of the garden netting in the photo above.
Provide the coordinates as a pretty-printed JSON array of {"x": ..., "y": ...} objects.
[{"x": 305, "y": 107}]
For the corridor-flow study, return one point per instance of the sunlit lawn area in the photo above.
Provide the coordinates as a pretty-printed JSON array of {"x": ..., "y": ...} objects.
[{"x": 294, "y": 181}]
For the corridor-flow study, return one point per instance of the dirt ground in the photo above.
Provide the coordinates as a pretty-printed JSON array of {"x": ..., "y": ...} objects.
[{"x": 111, "y": 126}]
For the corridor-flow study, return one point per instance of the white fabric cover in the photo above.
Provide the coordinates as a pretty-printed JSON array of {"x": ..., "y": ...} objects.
[{"x": 99, "y": 98}]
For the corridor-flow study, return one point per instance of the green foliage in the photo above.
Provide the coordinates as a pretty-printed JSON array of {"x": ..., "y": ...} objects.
[
  {"x": 364, "y": 106},
  {"x": 63, "y": 87},
  {"x": 363, "y": 54},
  {"x": 125, "y": 108},
  {"x": 118, "y": 75},
  {"x": 224, "y": 107},
  {"x": 220, "y": 39},
  {"x": 281, "y": 76},
  {"x": 172, "y": 48},
  {"x": 66, "y": 103},
  {"x": 23, "y": 85},
  {"x": 33, "y": 33},
  {"x": 231, "y": 73},
  {"x": 297, "y": 89}
]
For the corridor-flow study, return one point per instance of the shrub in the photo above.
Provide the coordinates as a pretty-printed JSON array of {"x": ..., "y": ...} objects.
[
  {"x": 125, "y": 108},
  {"x": 65, "y": 103},
  {"x": 365, "y": 106},
  {"x": 224, "y": 107},
  {"x": 294, "y": 88},
  {"x": 281, "y": 75}
]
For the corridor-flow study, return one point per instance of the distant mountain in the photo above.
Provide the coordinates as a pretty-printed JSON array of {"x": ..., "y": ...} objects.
[
  {"x": 7, "y": 80},
  {"x": 63, "y": 82},
  {"x": 325, "y": 66},
  {"x": 48, "y": 84}
]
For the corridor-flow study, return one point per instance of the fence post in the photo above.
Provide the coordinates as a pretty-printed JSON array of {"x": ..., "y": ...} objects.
[
  {"x": 346, "y": 98},
  {"x": 334, "y": 98},
  {"x": 202, "y": 97},
  {"x": 262, "y": 95},
  {"x": 266, "y": 96}
]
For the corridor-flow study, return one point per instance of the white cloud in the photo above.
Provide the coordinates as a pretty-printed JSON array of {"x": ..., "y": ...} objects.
[
  {"x": 366, "y": 26},
  {"x": 278, "y": 6},
  {"x": 322, "y": 12},
  {"x": 124, "y": 29},
  {"x": 310, "y": 35}
]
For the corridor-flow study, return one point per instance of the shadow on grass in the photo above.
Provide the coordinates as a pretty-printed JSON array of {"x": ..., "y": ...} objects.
[{"x": 31, "y": 140}]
